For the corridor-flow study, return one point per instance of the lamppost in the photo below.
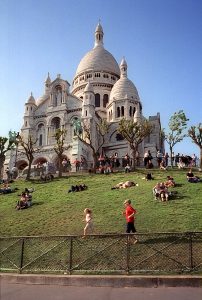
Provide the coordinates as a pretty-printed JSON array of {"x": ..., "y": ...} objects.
[{"x": 17, "y": 139}]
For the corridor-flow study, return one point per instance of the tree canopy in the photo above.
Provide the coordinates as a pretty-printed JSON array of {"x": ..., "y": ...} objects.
[
  {"x": 177, "y": 125},
  {"x": 134, "y": 133}
]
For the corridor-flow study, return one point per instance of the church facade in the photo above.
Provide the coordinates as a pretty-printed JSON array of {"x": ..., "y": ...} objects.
[{"x": 100, "y": 89}]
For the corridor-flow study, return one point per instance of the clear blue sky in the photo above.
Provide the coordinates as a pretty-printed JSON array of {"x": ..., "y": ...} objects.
[{"x": 160, "y": 39}]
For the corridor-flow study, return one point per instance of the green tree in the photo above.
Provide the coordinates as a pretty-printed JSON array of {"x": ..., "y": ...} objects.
[
  {"x": 134, "y": 133},
  {"x": 177, "y": 124},
  {"x": 28, "y": 148},
  {"x": 195, "y": 133},
  {"x": 59, "y": 148},
  {"x": 86, "y": 137},
  {"x": 6, "y": 144}
]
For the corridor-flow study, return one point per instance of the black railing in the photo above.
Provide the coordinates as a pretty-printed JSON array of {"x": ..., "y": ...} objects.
[{"x": 103, "y": 254}]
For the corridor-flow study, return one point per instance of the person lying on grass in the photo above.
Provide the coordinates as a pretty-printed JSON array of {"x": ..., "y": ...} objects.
[
  {"x": 6, "y": 189},
  {"x": 78, "y": 188},
  {"x": 124, "y": 185}
]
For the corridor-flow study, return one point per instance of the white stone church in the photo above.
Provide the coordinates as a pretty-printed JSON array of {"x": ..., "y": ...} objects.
[{"x": 101, "y": 89}]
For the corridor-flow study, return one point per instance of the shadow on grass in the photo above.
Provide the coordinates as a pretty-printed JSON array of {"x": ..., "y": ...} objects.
[
  {"x": 37, "y": 203},
  {"x": 179, "y": 185},
  {"x": 38, "y": 181}
]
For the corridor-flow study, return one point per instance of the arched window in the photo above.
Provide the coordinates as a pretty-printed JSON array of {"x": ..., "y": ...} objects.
[
  {"x": 134, "y": 110},
  {"x": 40, "y": 140},
  {"x": 118, "y": 112},
  {"x": 41, "y": 134},
  {"x": 97, "y": 100},
  {"x": 140, "y": 108},
  {"x": 122, "y": 111},
  {"x": 55, "y": 123},
  {"x": 130, "y": 111},
  {"x": 105, "y": 100}
]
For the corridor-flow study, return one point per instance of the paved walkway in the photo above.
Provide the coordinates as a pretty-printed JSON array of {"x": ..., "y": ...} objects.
[
  {"x": 98, "y": 287},
  {"x": 13, "y": 291}
]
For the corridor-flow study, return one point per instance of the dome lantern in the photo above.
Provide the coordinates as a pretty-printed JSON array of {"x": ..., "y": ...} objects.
[
  {"x": 99, "y": 35},
  {"x": 123, "y": 67}
]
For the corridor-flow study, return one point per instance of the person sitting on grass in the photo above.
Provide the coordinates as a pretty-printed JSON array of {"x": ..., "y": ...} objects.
[
  {"x": 163, "y": 192},
  {"x": 169, "y": 182},
  {"x": 191, "y": 178},
  {"x": 127, "y": 169},
  {"x": 22, "y": 203},
  {"x": 156, "y": 190},
  {"x": 29, "y": 198},
  {"x": 148, "y": 176},
  {"x": 162, "y": 165}
]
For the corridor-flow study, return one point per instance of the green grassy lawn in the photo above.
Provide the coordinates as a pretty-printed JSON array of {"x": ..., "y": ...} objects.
[{"x": 57, "y": 212}]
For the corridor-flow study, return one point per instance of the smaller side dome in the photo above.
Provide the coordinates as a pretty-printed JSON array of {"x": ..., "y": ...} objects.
[
  {"x": 124, "y": 88},
  {"x": 88, "y": 88},
  {"x": 31, "y": 100}
]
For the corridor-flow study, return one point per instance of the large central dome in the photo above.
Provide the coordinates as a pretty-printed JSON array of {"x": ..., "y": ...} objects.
[
  {"x": 98, "y": 67},
  {"x": 98, "y": 59}
]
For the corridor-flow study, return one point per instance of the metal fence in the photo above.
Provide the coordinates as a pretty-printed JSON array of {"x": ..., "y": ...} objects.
[{"x": 103, "y": 254}]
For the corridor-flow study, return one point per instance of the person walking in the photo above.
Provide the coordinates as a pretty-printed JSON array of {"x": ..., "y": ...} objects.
[
  {"x": 89, "y": 222},
  {"x": 130, "y": 217}
]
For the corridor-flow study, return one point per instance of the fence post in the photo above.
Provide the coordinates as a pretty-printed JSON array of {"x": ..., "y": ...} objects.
[
  {"x": 70, "y": 255},
  {"x": 128, "y": 255},
  {"x": 191, "y": 251},
  {"x": 22, "y": 255}
]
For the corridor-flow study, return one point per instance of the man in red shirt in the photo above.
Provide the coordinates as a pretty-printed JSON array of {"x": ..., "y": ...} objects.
[{"x": 130, "y": 217}]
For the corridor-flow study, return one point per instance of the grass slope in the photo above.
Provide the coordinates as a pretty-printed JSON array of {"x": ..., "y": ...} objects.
[{"x": 57, "y": 212}]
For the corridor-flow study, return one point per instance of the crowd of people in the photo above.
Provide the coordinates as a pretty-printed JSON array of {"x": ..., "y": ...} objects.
[
  {"x": 163, "y": 160},
  {"x": 161, "y": 190}
]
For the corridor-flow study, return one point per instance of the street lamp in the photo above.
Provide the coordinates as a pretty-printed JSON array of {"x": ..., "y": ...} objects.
[{"x": 17, "y": 139}]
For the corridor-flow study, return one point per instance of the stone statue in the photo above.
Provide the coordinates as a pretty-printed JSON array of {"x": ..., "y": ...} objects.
[
  {"x": 59, "y": 97},
  {"x": 12, "y": 136},
  {"x": 77, "y": 127}
]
